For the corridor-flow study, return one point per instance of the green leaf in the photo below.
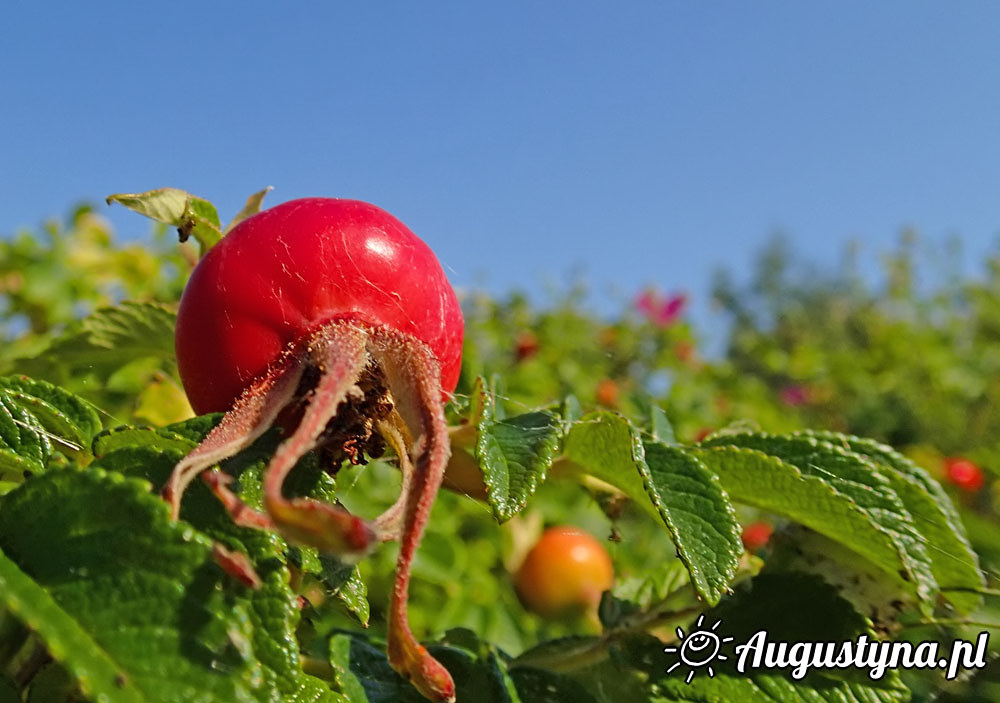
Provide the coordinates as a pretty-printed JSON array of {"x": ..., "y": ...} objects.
[
  {"x": 772, "y": 689},
  {"x": 251, "y": 207},
  {"x": 660, "y": 426},
  {"x": 514, "y": 453},
  {"x": 313, "y": 690},
  {"x": 542, "y": 686},
  {"x": 561, "y": 653},
  {"x": 274, "y": 613},
  {"x": 8, "y": 691},
  {"x": 646, "y": 591},
  {"x": 152, "y": 453},
  {"x": 953, "y": 561},
  {"x": 70, "y": 421},
  {"x": 24, "y": 444},
  {"x": 699, "y": 514},
  {"x": 571, "y": 410},
  {"x": 590, "y": 674},
  {"x": 857, "y": 478},
  {"x": 107, "y": 340},
  {"x": 477, "y": 667},
  {"x": 882, "y": 597},
  {"x": 97, "y": 670},
  {"x": 143, "y": 588},
  {"x": 192, "y": 216},
  {"x": 150, "y": 463},
  {"x": 149, "y": 592},
  {"x": 752, "y": 477},
  {"x": 37, "y": 417},
  {"x": 344, "y": 580},
  {"x": 195, "y": 428},
  {"x": 671, "y": 484},
  {"x": 133, "y": 437},
  {"x": 362, "y": 673},
  {"x": 273, "y": 608},
  {"x": 53, "y": 683},
  {"x": 605, "y": 445}
]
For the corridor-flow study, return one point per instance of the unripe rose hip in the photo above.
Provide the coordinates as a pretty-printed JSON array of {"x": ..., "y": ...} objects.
[{"x": 565, "y": 573}]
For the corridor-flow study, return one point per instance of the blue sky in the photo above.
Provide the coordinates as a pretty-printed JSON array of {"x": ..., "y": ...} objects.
[{"x": 637, "y": 143}]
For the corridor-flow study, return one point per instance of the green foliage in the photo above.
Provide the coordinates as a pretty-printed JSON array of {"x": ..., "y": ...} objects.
[
  {"x": 192, "y": 216},
  {"x": 673, "y": 485},
  {"x": 71, "y": 295},
  {"x": 910, "y": 360},
  {"x": 514, "y": 452},
  {"x": 585, "y": 420}
]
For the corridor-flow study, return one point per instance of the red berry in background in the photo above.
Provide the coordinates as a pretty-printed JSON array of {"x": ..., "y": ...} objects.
[
  {"x": 525, "y": 345},
  {"x": 334, "y": 318},
  {"x": 607, "y": 393},
  {"x": 756, "y": 535},
  {"x": 964, "y": 474},
  {"x": 702, "y": 433},
  {"x": 565, "y": 573}
]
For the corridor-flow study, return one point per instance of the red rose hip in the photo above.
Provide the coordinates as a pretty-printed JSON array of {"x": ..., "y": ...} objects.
[
  {"x": 280, "y": 274},
  {"x": 334, "y": 317}
]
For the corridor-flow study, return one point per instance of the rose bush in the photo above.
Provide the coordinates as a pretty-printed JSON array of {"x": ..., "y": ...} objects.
[{"x": 105, "y": 596}]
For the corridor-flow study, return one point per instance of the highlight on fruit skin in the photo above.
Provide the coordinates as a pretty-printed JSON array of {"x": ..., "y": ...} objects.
[
  {"x": 331, "y": 319},
  {"x": 564, "y": 574}
]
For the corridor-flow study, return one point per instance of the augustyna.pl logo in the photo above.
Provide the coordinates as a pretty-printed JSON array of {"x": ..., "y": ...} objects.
[
  {"x": 704, "y": 646},
  {"x": 701, "y": 648}
]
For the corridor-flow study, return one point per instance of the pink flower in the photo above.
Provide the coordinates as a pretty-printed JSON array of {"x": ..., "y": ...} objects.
[
  {"x": 670, "y": 310},
  {"x": 794, "y": 396},
  {"x": 646, "y": 302},
  {"x": 659, "y": 310}
]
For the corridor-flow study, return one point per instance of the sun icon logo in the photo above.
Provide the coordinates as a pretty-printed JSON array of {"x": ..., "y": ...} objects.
[{"x": 700, "y": 648}]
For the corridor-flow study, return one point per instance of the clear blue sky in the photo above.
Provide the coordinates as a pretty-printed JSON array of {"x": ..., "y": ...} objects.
[{"x": 637, "y": 142}]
